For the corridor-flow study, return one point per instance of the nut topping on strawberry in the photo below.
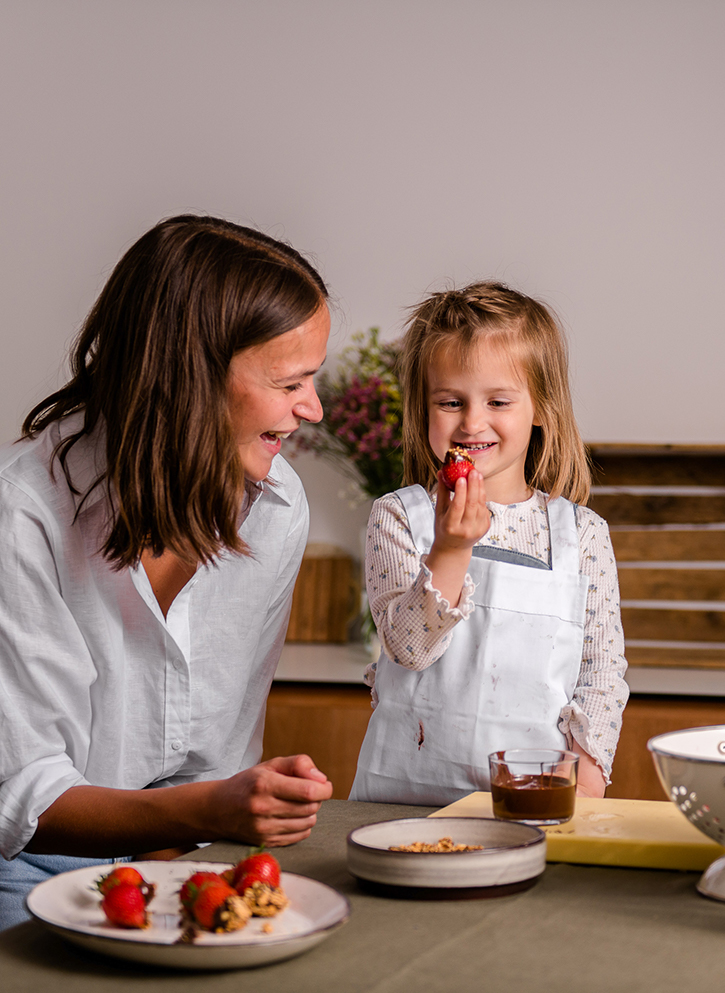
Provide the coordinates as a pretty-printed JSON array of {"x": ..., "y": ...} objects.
[
  {"x": 457, "y": 465},
  {"x": 218, "y": 907}
]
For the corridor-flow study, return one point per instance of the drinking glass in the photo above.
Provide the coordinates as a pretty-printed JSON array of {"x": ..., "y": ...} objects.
[{"x": 533, "y": 785}]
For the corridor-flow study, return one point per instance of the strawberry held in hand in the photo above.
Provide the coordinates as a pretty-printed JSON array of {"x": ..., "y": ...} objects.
[
  {"x": 457, "y": 465},
  {"x": 125, "y": 906}
]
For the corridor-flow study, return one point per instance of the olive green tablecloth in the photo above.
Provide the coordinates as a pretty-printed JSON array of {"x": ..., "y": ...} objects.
[{"x": 581, "y": 929}]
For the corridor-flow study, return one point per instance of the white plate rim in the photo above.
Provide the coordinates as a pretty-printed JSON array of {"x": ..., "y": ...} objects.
[
  {"x": 211, "y": 943},
  {"x": 537, "y": 839}
]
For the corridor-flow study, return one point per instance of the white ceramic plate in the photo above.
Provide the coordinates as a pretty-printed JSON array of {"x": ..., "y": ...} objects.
[
  {"x": 513, "y": 855},
  {"x": 70, "y": 906}
]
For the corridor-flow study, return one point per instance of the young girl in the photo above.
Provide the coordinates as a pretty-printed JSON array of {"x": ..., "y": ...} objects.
[{"x": 497, "y": 606}]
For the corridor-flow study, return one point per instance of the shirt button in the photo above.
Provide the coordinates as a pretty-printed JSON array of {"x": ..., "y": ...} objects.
[
  {"x": 176, "y": 744},
  {"x": 178, "y": 665}
]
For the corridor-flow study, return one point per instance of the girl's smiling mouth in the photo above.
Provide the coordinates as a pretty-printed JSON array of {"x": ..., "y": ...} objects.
[{"x": 475, "y": 446}]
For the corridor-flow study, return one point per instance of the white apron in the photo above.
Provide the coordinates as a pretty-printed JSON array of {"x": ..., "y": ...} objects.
[{"x": 502, "y": 682}]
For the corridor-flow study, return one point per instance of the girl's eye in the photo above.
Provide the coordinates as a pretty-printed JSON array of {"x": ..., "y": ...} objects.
[
  {"x": 499, "y": 403},
  {"x": 450, "y": 404}
]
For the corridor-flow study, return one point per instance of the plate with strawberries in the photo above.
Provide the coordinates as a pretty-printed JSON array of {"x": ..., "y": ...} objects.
[{"x": 191, "y": 915}]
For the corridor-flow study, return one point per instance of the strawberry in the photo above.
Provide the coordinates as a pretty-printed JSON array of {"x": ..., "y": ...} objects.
[
  {"x": 190, "y": 889},
  {"x": 125, "y": 874},
  {"x": 260, "y": 867},
  {"x": 218, "y": 907},
  {"x": 124, "y": 906},
  {"x": 457, "y": 465},
  {"x": 121, "y": 874}
]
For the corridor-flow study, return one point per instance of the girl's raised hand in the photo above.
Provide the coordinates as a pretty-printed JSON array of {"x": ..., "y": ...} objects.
[
  {"x": 462, "y": 518},
  {"x": 460, "y": 521}
]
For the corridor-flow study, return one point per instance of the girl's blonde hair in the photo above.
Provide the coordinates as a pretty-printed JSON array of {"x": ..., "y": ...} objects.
[{"x": 524, "y": 329}]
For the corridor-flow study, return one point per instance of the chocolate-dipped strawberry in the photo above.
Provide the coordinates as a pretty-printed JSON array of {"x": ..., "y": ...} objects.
[{"x": 458, "y": 463}]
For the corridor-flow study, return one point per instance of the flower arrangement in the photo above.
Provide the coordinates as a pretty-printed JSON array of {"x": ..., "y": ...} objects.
[{"x": 361, "y": 430}]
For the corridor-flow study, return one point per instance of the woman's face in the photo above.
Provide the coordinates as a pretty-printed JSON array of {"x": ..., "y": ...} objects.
[{"x": 270, "y": 391}]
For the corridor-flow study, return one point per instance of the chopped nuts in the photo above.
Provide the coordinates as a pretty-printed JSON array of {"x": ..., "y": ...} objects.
[
  {"x": 264, "y": 900},
  {"x": 442, "y": 845}
]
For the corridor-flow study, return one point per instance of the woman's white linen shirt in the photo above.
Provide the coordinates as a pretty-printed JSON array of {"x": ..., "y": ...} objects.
[{"x": 96, "y": 687}]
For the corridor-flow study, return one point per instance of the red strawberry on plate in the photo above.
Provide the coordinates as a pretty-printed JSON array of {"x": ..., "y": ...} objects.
[
  {"x": 125, "y": 906},
  {"x": 190, "y": 888},
  {"x": 457, "y": 465},
  {"x": 218, "y": 907},
  {"x": 260, "y": 867},
  {"x": 125, "y": 874}
]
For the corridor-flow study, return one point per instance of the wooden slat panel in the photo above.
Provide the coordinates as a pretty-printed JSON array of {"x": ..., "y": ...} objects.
[
  {"x": 651, "y": 469},
  {"x": 673, "y": 625},
  {"x": 628, "y": 508},
  {"x": 675, "y": 658},
  {"x": 669, "y": 546},
  {"x": 672, "y": 584}
]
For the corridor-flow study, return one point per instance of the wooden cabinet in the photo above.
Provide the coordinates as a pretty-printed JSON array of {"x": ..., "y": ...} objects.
[
  {"x": 633, "y": 774},
  {"x": 328, "y": 722}
]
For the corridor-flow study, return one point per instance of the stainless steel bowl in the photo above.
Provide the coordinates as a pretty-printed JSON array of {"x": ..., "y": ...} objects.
[{"x": 691, "y": 767}]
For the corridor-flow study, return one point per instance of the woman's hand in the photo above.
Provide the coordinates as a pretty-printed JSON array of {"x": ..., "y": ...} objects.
[
  {"x": 274, "y": 803},
  {"x": 460, "y": 521}
]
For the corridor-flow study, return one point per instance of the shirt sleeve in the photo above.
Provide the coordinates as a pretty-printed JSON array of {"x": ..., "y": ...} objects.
[
  {"x": 594, "y": 716},
  {"x": 46, "y": 675},
  {"x": 414, "y": 621}
]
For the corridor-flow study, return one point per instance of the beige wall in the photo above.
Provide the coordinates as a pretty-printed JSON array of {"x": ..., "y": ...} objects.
[{"x": 572, "y": 148}]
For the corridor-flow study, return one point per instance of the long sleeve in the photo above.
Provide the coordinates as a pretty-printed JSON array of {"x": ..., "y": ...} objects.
[
  {"x": 414, "y": 622},
  {"x": 594, "y": 716}
]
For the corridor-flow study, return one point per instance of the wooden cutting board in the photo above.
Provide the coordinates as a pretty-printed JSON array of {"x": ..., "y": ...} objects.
[{"x": 648, "y": 834}]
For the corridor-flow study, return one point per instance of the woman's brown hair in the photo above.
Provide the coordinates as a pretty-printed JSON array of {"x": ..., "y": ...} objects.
[
  {"x": 150, "y": 366},
  {"x": 527, "y": 331}
]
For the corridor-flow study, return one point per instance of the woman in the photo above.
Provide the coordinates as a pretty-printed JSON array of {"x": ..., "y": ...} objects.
[{"x": 152, "y": 540}]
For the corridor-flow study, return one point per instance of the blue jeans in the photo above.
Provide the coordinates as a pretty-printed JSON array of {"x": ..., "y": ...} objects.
[{"x": 18, "y": 877}]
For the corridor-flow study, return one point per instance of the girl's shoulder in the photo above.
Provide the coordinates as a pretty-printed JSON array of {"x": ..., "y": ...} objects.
[{"x": 589, "y": 520}]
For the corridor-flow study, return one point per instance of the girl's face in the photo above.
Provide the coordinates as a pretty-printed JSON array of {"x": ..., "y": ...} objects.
[
  {"x": 270, "y": 391},
  {"x": 485, "y": 407}
]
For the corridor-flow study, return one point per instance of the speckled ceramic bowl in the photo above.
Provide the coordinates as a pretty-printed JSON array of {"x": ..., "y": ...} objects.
[
  {"x": 691, "y": 767},
  {"x": 512, "y": 858}
]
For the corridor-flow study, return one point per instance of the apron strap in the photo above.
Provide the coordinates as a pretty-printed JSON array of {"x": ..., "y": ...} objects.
[
  {"x": 421, "y": 516},
  {"x": 564, "y": 538},
  {"x": 563, "y": 534}
]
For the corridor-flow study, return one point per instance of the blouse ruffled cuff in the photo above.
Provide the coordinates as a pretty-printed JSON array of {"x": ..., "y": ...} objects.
[
  {"x": 465, "y": 605},
  {"x": 576, "y": 726}
]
